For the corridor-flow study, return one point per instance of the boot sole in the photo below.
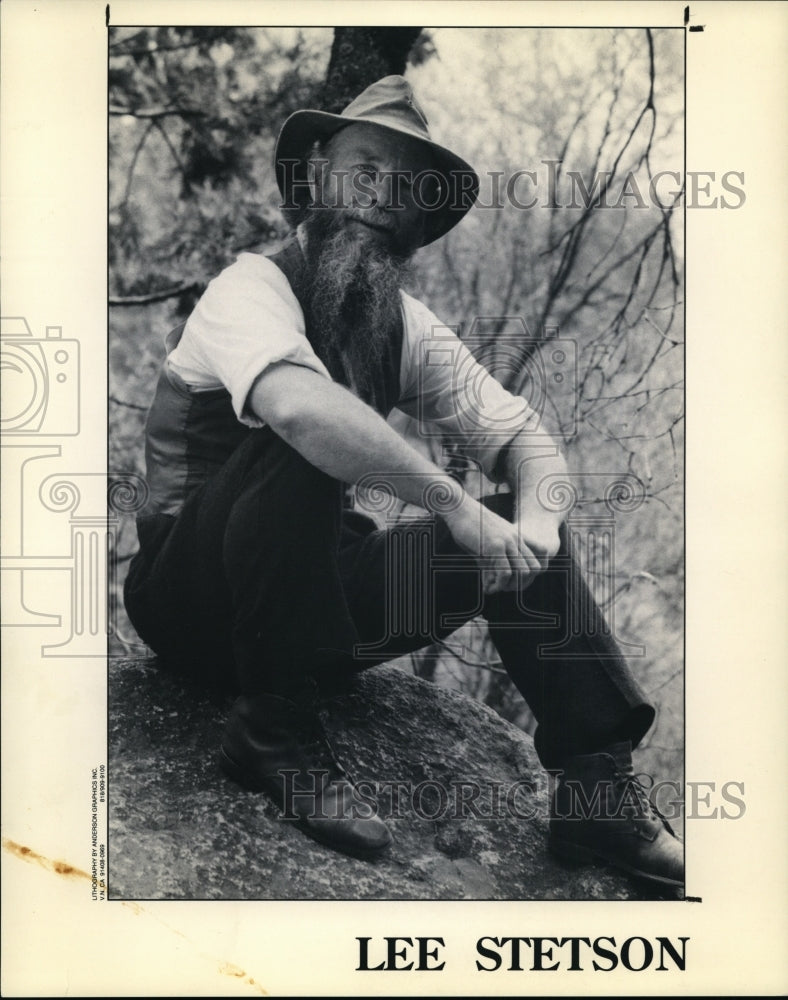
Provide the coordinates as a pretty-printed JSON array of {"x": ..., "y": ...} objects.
[
  {"x": 240, "y": 776},
  {"x": 578, "y": 854}
]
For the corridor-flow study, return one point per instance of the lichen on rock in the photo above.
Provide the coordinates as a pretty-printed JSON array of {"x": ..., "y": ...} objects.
[{"x": 179, "y": 829}]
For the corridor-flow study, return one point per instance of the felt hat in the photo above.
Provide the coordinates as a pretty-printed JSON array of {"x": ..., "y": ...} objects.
[{"x": 391, "y": 105}]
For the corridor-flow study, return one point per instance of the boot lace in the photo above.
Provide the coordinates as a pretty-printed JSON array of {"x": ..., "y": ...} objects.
[
  {"x": 635, "y": 798},
  {"x": 317, "y": 747}
]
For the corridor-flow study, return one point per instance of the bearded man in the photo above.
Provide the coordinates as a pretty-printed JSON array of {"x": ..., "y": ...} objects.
[{"x": 273, "y": 399}]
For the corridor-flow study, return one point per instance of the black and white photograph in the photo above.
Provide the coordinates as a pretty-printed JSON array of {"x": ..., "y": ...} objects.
[
  {"x": 393, "y": 547},
  {"x": 396, "y": 381}
]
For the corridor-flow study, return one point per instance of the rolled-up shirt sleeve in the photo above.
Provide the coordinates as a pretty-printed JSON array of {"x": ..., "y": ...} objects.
[
  {"x": 451, "y": 395},
  {"x": 247, "y": 320}
]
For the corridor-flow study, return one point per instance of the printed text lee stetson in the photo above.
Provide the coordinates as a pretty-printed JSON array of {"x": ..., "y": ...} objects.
[{"x": 527, "y": 954}]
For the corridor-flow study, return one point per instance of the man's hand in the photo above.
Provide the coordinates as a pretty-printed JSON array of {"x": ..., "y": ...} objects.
[
  {"x": 346, "y": 439},
  {"x": 510, "y": 555},
  {"x": 539, "y": 531}
]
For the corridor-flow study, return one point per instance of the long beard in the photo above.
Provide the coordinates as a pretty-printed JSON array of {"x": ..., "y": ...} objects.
[{"x": 351, "y": 293}]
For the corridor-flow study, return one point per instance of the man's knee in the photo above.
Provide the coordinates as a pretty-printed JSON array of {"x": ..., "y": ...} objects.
[
  {"x": 265, "y": 456},
  {"x": 285, "y": 509},
  {"x": 278, "y": 483}
]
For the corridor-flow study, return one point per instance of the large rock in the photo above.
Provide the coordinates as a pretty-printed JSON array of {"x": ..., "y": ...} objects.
[{"x": 180, "y": 830}]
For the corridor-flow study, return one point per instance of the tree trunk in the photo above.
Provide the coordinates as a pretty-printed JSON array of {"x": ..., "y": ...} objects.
[{"x": 359, "y": 56}]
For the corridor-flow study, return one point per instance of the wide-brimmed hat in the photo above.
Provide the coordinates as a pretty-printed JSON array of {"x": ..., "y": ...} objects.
[{"x": 390, "y": 104}]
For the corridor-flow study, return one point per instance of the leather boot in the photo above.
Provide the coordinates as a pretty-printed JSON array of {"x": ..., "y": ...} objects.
[
  {"x": 602, "y": 812},
  {"x": 274, "y": 745}
]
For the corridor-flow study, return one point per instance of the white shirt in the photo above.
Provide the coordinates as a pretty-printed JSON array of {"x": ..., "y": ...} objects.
[{"x": 249, "y": 318}]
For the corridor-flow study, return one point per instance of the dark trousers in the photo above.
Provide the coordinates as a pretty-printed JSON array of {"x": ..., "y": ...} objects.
[{"x": 264, "y": 579}]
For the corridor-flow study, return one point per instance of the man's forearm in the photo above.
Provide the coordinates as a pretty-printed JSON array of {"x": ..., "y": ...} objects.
[
  {"x": 529, "y": 458},
  {"x": 343, "y": 437}
]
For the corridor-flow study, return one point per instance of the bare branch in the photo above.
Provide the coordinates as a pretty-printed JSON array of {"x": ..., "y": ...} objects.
[
  {"x": 673, "y": 676},
  {"x": 117, "y": 52},
  {"x": 644, "y": 315},
  {"x": 129, "y": 406},
  {"x": 151, "y": 297},
  {"x": 155, "y": 113},
  {"x": 160, "y": 128},
  {"x": 133, "y": 165},
  {"x": 494, "y": 665}
]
